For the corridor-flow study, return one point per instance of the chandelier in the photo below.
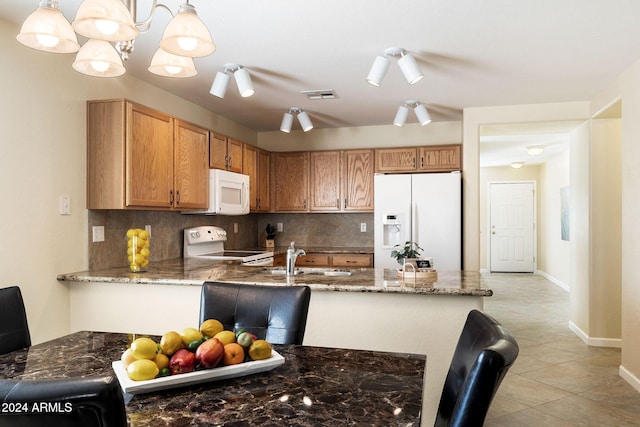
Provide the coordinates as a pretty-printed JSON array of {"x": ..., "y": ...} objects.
[{"x": 111, "y": 29}]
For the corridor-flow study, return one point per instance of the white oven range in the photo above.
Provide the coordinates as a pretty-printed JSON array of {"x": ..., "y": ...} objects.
[{"x": 207, "y": 242}]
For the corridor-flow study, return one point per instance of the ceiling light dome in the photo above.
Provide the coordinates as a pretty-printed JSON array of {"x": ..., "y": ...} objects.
[
  {"x": 108, "y": 20},
  {"x": 186, "y": 35},
  {"x": 48, "y": 30}
]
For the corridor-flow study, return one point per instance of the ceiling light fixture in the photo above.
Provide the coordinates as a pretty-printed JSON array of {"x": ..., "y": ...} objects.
[
  {"x": 303, "y": 118},
  {"x": 535, "y": 150},
  {"x": 243, "y": 81},
  {"x": 169, "y": 65},
  {"x": 517, "y": 165},
  {"x": 407, "y": 64},
  {"x": 419, "y": 109},
  {"x": 114, "y": 21}
]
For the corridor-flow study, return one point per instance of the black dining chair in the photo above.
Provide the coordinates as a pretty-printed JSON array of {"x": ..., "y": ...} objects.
[
  {"x": 69, "y": 402},
  {"x": 483, "y": 355},
  {"x": 277, "y": 314},
  {"x": 14, "y": 329}
]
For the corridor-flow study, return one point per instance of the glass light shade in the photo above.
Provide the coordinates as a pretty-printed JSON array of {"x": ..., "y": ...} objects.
[
  {"x": 220, "y": 84},
  {"x": 243, "y": 80},
  {"x": 517, "y": 165},
  {"x": 287, "y": 121},
  {"x": 48, "y": 30},
  {"x": 98, "y": 58},
  {"x": 401, "y": 116},
  {"x": 422, "y": 114},
  {"x": 108, "y": 20},
  {"x": 168, "y": 65},
  {"x": 535, "y": 150},
  {"x": 410, "y": 69},
  {"x": 186, "y": 35},
  {"x": 305, "y": 121},
  {"x": 378, "y": 71}
]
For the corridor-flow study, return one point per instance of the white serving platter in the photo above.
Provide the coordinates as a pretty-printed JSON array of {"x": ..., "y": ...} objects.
[{"x": 196, "y": 377}]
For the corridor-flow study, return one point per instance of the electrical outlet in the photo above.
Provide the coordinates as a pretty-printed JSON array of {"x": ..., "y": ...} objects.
[
  {"x": 235, "y": 227},
  {"x": 147, "y": 228},
  {"x": 279, "y": 227},
  {"x": 98, "y": 233},
  {"x": 363, "y": 227}
]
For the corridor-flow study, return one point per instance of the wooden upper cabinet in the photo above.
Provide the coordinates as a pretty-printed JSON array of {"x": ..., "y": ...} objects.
[
  {"x": 437, "y": 158},
  {"x": 324, "y": 167},
  {"x": 357, "y": 179},
  {"x": 234, "y": 155},
  {"x": 428, "y": 158},
  {"x": 250, "y": 167},
  {"x": 191, "y": 166},
  {"x": 264, "y": 174},
  {"x": 139, "y": 158},
  {"x": 225, "y": 153},
  {"x": 217, "y": 151},
  {"x": 149, "y": 160},
  {"x": 396, "y": 159},
  {"x": 290, "y": 178}
]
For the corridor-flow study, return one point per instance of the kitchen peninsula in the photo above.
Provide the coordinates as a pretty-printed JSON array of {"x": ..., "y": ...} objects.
[{"x": 372, "y": 309}]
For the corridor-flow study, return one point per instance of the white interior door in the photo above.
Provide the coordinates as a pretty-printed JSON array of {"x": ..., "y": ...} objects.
[{"x": 512, "y": 227}]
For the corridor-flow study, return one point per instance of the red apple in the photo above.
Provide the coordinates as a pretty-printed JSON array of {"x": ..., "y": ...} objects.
[
  {"x": 210, "y": 353},
  {"x": 182, "y": 361}
]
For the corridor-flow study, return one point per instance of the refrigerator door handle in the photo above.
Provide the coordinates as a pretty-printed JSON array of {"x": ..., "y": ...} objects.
[{"x": 413, "y": 218}]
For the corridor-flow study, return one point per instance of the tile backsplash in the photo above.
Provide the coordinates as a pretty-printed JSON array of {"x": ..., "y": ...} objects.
[{"x": 167, "y": 232}]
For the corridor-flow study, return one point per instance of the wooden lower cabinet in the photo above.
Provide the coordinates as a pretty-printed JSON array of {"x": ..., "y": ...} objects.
[{"x": 328, "y": 260}]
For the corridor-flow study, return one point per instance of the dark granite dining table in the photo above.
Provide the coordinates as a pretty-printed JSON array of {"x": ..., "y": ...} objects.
[{"x": 316, "y": 386}]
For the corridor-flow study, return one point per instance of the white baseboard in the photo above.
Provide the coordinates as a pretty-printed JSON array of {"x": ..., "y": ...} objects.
[
  {"x": 629, "y": 377},
  {"x": 595, "y": 342},
  {"x": 554, "y": 280}
]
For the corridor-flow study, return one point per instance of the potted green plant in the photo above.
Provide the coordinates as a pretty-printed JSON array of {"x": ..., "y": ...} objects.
[{"x": 407, "y": 251}]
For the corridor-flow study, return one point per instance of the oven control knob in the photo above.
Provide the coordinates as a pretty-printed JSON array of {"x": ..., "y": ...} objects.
[{"x": 195, "y": 234}]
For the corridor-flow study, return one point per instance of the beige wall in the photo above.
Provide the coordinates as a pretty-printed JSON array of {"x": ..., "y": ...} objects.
[
  {"x": 553, "y": 252},
  {"x": 42, "y": 156},
  {"x": 627, "y": 88},
  {"x": 363, "y": 137}
]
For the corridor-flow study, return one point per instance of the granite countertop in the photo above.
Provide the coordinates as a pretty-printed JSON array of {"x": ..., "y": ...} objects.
[
  {"x": 315, "y": 385},
  {"x": 193, "y": 272}
]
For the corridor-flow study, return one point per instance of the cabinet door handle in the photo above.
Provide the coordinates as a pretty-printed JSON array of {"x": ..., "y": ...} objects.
[
  {"x": 345, "y": 203},
  {"x": 337, "y": 203},
  {"x": 171, "y": 197},
  {"x": 304, "y": 205},
  {"x": 421, "y": 162},
  {"x": 178, "y": 197}
]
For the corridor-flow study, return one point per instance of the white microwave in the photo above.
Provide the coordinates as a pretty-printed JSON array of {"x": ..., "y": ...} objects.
[{"x": 228, "y": 194}]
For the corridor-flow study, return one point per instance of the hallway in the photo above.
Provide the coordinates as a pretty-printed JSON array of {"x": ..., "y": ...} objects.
[{"x": 557, "y": 380}]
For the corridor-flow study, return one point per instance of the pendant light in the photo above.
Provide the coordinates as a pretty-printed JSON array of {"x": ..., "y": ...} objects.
[
  {"x": 169, "y": 65},
  {"x": 108, "y": 20},
  {"x": 48, "y": 30},
  {"x": 98, "y": 58},
  {"x": 186, "y": 35}
]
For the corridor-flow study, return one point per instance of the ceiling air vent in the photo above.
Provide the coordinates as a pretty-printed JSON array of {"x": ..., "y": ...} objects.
[{"x": 320, "y": 94}]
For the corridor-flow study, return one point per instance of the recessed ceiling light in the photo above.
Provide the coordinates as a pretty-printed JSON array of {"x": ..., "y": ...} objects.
[{"x": 320, "y": 94}]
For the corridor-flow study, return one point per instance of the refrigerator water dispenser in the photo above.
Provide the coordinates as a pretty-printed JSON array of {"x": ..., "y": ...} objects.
[{"x": 391, "y": 230}]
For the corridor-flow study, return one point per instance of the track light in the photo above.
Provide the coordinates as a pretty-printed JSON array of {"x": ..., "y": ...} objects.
[
  {"x": 419, "y": 109},
  {"x": 243, "y": 81},
  {"x": 303, "y": 118},
  {"x": 406, "y": 62},
  {"x": 114, "y": 21}
]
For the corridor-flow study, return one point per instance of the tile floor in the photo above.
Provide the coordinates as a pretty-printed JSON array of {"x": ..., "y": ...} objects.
[{"x": 557, "y": 380}]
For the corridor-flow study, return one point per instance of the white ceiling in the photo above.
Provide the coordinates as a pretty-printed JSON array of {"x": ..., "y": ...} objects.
[{"x": 473, "y": 53}]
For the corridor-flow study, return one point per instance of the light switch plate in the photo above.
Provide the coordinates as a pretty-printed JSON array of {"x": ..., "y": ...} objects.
[
  {"x": 279, "y": 227},
  {"x": 65, "y": 205},
  {"x": 363, "y": 227}
]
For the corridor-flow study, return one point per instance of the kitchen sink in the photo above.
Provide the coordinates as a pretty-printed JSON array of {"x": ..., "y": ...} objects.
[{"x": 315, "y": 271}]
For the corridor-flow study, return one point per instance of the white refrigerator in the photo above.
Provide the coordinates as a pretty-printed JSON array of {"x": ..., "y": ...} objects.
[{"x": 425, "y": 208}]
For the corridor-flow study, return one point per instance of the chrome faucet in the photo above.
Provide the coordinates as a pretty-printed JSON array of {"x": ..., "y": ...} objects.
[{"x": 292, "y": 255}]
